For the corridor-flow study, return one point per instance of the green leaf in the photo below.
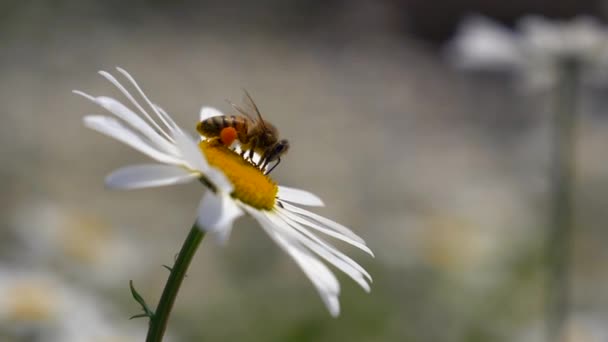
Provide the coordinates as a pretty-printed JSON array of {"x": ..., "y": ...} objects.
[{"x": 144, "y": 306}]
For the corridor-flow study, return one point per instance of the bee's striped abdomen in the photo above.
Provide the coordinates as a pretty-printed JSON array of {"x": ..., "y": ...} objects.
[{"x": 212, "y": 126}]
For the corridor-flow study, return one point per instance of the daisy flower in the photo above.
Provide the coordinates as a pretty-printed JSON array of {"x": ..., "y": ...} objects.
[{"x": 235, "y": 187}]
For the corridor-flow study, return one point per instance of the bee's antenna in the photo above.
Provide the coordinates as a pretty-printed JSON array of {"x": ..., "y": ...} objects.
[{"x": 255, "y": 107}]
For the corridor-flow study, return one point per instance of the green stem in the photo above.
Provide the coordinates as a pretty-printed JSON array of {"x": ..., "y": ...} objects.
[
  {"x": 559, "y": 242},
  {"x": 158, "y": 322}
]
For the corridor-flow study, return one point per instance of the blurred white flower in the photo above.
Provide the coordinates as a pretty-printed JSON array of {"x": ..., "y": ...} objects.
[
  {"x": 236, "y": 187},
  {"x": 483, "y": 44},
  {"x": 581, "y": 326},
  {"x": 586, "y": 327},
  {"x": 38, "y": 306},
  {"x": 74, "y": 242},
  {"x": 533, "y": 50}
]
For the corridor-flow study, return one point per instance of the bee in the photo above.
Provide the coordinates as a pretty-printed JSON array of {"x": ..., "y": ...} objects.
[{"x": 255, "y": 134}]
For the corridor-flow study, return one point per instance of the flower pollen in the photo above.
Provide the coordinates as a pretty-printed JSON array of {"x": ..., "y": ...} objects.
[{"x": 251, "y": 185}]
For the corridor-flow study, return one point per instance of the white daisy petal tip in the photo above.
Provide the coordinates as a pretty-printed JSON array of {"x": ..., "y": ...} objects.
[
  {"x": 121, "y": 70},
  {"x": 296, "y": 232},
  {"x": 298, "y": 196},
  {"x": 371, "y": 253},
  {"x": 105, "y": 74},
  {"x": 209, "y": 112},
  {"x": 83, "y": 94},
  {"x": 325, "y": 225},
  {"x": 310, "y": 259},
  {"x": 89, "y": 119},
  {"x": 367, "y": 288},
  {"x": 333, "y": 305}
]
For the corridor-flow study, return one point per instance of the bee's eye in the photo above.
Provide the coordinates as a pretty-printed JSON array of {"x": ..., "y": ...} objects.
[{"x": 282, "y": 146}]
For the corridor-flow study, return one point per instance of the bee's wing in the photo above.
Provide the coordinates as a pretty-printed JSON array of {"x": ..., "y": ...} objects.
[
  {"x": 252, "y": 109},
  {"x": 242, "y": 111}
]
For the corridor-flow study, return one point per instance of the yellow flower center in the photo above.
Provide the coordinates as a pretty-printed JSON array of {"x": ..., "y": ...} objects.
[
  {"x": 251, "y": 185},
  {"x": 31, "y": 302}
]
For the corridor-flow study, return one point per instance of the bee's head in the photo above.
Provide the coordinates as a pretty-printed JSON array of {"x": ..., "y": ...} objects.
[
  {"x": 269, "y": 135},
  {"x": 279, "y": 149}
]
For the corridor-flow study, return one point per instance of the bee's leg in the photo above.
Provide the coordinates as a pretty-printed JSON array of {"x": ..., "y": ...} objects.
[
  {"x": 273, "y": 166},
  {"x": 254, "y": 143},
  {"x": 246, "y": 156},
  {"x": 263, "y": 161}
]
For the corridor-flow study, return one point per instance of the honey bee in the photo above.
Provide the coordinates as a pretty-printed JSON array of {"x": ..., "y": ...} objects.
[{"x": 253, "y": 132}]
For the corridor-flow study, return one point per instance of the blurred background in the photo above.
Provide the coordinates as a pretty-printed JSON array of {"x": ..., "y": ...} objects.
[{"x": 442, "y": 172}]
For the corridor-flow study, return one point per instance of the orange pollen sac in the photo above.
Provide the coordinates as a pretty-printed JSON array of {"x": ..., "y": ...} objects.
[{"x": 228, "y": 135}]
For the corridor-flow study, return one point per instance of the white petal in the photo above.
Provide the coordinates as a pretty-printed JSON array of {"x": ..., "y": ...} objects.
[
  {"x": 322, "y": 278},
  {"x": 191, "y": 152},
  {"x": 285, "y": 216},
  {"x": 128, "y": 95},
  {"x": 209, "y": 112},
  {"x": 219, "y": 179},
  {"x": 299, "y": 196},
  {"x": 148, "y": 175},
  {"x": 324, "y": 250},
  {"x": 216, "y": 214},
  {"x": 111, "y": 127},
  {"x": 121, "y": 111},
  {"x": 332, "y": 304},
  {"x": 325, "y": 226},
  {"x": 166, "y": 119},
  {"x": 324, "y": 281}
]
